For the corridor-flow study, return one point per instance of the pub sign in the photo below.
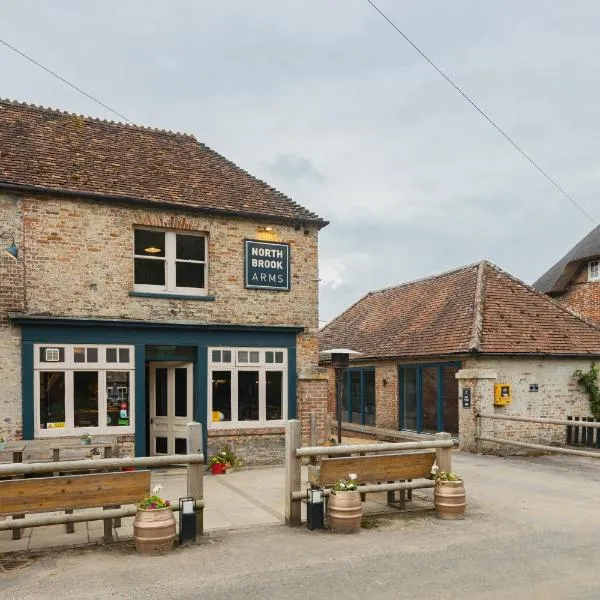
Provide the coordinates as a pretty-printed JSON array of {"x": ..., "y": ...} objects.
[{"x": 267, "y": 266}]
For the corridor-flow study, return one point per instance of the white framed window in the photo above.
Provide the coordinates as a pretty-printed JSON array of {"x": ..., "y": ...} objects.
[
  {"x": 83, "y": 388},
  {"x": 247, "y": 387},
  {"x": 593, "y": 270},
  {"x": 170, "y": 262}
]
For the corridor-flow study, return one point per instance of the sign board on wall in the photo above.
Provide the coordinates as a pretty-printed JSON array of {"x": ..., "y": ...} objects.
[
  {"x": 267, "y": 266},
  {"x": 466, "y": 397}
]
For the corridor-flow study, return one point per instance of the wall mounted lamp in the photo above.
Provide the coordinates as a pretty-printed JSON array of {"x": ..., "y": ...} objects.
[{"x": 11, "y": 250}]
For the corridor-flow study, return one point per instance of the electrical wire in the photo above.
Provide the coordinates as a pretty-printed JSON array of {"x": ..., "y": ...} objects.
[
  {"x": 41, "y": 66},
  {"x": 486, "y": 117}
]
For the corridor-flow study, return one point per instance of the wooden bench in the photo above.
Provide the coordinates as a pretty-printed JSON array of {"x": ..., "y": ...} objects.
[
  {"x": 376, "y": 468},
  {"x": 49, "y": 494}
]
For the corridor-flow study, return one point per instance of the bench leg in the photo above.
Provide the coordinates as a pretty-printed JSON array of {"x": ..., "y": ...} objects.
[
  {"x": 70, "y": 527},
  {"x": 108, "y": 526},
  {"x": 17, "y": 534}
]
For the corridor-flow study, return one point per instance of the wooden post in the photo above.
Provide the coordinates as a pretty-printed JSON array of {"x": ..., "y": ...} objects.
[
  {"x": 443, "y": 456},
  {"x": 195, "y": 473},
  {"x": 313, "y": 437},
  {"x": 108, "y": 523},
  {"x": 69, "y": 527},
  {"x": 293, "y": 475},
  {"x": 17, "y": 533}
]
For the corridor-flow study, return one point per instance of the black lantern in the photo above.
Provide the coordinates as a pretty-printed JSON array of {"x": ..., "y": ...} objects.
[
  {"x": 314, "y": 509},
  {"x": 187, "y": 521}
]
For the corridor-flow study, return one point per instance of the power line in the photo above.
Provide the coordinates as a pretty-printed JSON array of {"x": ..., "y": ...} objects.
[
  {"x": 485, "y": 116},
  {"x": 41, "y": 66}
]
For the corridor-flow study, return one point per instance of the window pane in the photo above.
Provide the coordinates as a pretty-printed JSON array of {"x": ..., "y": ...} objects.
[
  {"x": 111, "y": 355},
  {"x": 181, "y": 392},
  {"x": 79, "y": 355},
  {"x": 149, "y": 243},
  {"x": 189, "y": 275},
  {"x": 269, "y": 358},
  {"x": 254, "y": 357},
  {"x": 216, "y": 356},
  {"x": 92, "y": 355},
  {"x": 430, "y": 398},
  {"x": 51, "y": 354},
  {"x": 274, "y": 395},
  {"x": 85, "y": 398},
  {"x": 124, "y": 355},
  {"x": 160, "y": 389},
  {"x": 221, "y": 396},
  {"x": 117, "y": 398},
  {"x": 355, "y": 399},
  {"x": 242, "y": 356},
  {"x": 149, "y": 272},
  {"x": 278, "y": 357},
  {"x": 369, "y": 397},
  {"x": 190, "y": 247},
  {"x": 410, "y": 399},
  {"x": 161, "y": 446},
  {"x": 52, "y": 400},
  {"x": 248, "y": 395},
  {"x": 226, "y": 356},
  {"x": 450, "y": 400},
  {"x": 180, "y": 446}
]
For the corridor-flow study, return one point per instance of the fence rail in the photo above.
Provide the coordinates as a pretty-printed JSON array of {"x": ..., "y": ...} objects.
[
  {"x": 540, "y": 421},
  {"x": 581, "y": 432}
]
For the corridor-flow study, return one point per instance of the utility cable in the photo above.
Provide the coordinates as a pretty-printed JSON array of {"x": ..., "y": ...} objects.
[
  {"x": 41, "y": 66},
  {"x": 485, "y": 116}
]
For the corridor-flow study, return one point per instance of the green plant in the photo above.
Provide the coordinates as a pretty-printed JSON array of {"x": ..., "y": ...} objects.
[
  {"x": 588, "y": 381},
  {"x": 153, "y": 501},
  {"x": 346, "y": 485},
  {"x": 446, "y": 476},
  {"x": 85, "y": 436},
  {"x": 226, "y": 456}
]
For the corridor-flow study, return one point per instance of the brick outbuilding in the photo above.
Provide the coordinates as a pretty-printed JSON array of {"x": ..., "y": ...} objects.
[{"x": 435, "y": 352}]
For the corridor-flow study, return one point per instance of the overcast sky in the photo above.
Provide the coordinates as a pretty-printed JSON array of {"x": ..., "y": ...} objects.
[{"x": 325, "y": 101}]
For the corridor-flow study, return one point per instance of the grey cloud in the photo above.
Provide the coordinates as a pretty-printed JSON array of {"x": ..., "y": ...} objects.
[{"x": 291, "y": 167}]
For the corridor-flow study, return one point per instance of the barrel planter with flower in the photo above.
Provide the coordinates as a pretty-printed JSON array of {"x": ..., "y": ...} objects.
[
  {"x": 154, "y": 525},
  {"x": 344, "y": 508}
]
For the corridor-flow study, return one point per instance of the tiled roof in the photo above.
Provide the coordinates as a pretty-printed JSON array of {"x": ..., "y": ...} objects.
[
  {"x": 476, "y": 309},
  {"x": 48, "y": 148},
  {"x": 557, "y": 277}
]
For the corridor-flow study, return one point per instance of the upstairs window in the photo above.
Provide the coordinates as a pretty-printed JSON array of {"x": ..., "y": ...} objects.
[
  {"x": 594, "y": 270},
  {"x": 169, "y": 262}
]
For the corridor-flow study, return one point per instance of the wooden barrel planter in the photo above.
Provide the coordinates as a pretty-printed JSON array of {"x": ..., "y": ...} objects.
[
  {"x": 344, "y": 512},
  {"x": 449, "y": 499},
  {"x": 154, "y": 530}
]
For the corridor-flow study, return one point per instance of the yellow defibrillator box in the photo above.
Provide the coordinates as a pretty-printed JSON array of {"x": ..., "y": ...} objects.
[{"x": 502, "y": 394}]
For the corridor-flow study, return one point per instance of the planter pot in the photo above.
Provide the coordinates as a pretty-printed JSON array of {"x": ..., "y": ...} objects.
[
  {"x": 449, "y": 499},
  {"x": 154, "y": 531},
  {"x": 86, "y": 442},
  {"x": 218, "y": 469},
  {"x": 344, "y": 512},
  {"x": 127, "y": 468}
]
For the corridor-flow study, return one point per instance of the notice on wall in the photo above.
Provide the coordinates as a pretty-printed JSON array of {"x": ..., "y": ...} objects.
[{"x": 267, "y": 266}]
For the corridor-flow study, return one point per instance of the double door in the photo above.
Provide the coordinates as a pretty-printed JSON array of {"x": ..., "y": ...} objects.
[{"x": 171, "y": 393}]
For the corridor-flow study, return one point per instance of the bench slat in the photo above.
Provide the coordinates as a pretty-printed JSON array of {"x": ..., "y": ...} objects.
[
  {"x": 380, "y": 467},
  {"x": 75, "y": 491}
]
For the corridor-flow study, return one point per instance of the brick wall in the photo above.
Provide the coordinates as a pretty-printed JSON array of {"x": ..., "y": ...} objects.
[
  {"x": 558, "y": 396},
  {"x": 386, "y": 395},
  {"x": 583, "y": 297},
  {"x": 77, "y": 261},
  {"x": 312, "y": 398}
]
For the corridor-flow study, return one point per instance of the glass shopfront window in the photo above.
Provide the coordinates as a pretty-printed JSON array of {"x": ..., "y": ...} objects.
[{"x": 358, "y": 395}]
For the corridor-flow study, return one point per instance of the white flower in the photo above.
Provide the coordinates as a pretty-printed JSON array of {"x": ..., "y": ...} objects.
[
  {"x": 157, "y": 488},
  {"x": 352, "y": 476},
  {"x": 224, "y": 453}
]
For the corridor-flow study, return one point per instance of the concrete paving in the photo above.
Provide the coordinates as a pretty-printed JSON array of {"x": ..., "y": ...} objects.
[{"x": 530, "y": 533}]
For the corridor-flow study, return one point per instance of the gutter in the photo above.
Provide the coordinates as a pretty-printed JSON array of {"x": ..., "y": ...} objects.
[{"x": 115, "y": 199}]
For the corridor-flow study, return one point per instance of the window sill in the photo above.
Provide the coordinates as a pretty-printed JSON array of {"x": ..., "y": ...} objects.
[{"x": 171, "y": 296}]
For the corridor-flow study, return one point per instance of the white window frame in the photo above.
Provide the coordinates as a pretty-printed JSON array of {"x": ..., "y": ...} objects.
[
  {"x": 591, "y": 265},
  {"x": 234, "y": 367},
  {"x": 170, "y": 260},
  {"x": 68, "y": 367}
]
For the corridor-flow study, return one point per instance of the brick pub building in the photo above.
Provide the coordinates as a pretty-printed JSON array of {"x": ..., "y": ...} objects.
[{"x": 156, "y": 283}]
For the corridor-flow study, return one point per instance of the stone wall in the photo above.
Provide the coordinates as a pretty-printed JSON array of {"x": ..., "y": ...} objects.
[
  {"x": 76, "y": 260},
  {"x": 558, "y": 396}
]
